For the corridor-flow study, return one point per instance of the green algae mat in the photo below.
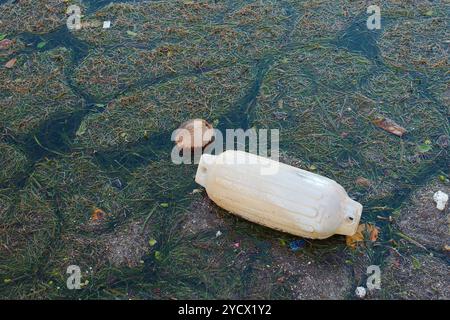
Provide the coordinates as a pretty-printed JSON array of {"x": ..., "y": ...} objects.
[{"x": 86, "y": 117}]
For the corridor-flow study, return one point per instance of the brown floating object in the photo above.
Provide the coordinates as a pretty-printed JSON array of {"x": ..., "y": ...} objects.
[
  {"x": 363, "y": 229},
  {"x": 363, "y": 182},
  {"x": 193, "y": 134},
  {"x": 98, "y": 214},
  {"x": 11, "y": 63},
  {"x": 5, "y": 43},
  {"x": 390, "y": 126}
]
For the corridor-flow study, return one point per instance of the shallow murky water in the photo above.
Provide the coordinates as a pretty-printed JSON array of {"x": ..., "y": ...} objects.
[{"x": 86, "y": 119}]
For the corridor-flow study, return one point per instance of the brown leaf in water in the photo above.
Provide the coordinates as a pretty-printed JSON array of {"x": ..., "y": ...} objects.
[
  {"x": 362, "y": 231},
  {"x": 98, "y": 214},
  {"x": 11, "y": 63},
  {"x": 390, "y": 126},
  {"x": 353, "y": 240},
  {"x": 373, "y": 232}
]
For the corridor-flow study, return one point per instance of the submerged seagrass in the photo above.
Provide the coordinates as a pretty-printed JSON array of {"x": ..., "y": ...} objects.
[{"x": 86, "y": 119}]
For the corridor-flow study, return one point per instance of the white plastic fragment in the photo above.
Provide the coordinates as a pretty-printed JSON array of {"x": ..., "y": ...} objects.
[
  {"x": 289, "y": 199},
  {"x": 218, "y": 234},
  {"x": 441, "y": 199},
  {"x": 360, "y": 292},
  {"x": 106, "y": 24}
]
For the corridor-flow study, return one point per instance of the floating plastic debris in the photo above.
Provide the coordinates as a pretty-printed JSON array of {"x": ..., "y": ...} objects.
[
  {"x": 441, "y": 199},
  {"x": 297, "y": 244},
  {"x": 284, "y": 198},
  {"x": 360, "y": 292}
]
